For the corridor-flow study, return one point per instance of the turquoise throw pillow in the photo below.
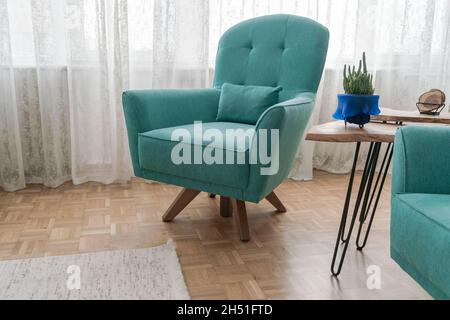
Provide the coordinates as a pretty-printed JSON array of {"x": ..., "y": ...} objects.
[{"x": 245, "y": 104}]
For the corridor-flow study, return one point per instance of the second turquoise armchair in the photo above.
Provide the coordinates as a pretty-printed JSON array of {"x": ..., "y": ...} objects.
[
  {"x": 277, "y": 50},
  {"x": 420, "y": 208}
]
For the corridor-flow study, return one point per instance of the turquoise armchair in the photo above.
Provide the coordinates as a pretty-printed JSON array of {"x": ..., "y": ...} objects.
[
  {"x": 420, "y": 213},
  {"x": 277, "y": 50}
]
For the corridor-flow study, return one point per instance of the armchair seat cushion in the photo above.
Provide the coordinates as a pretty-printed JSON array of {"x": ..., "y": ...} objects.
[
  {"x": 420, "y": 239},
  {"x": 155, "y": 153}
]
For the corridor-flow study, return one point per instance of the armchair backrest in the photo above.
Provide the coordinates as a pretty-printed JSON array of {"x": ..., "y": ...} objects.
[
  {"x": 421, "y": 160},
  {"x": 276, "y": 50}
]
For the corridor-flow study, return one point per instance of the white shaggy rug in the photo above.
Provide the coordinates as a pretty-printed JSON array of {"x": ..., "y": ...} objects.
[{"x": 153, "y": 273}]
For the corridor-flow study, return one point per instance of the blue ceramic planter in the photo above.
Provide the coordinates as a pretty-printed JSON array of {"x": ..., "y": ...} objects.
[{"x": 357, "y": 109}]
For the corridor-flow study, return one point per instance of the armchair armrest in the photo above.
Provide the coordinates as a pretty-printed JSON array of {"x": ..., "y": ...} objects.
[
  {"x": 421, "y": 160},
  {"x": 291, "y": 119},
  {"x": 155, "y": 109}
]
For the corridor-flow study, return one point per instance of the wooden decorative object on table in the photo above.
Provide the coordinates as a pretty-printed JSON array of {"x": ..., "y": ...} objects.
[{"x": 431, "y": 102}]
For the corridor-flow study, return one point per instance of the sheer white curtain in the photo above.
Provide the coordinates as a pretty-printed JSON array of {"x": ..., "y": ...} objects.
[
  {"x": 63, "y": 67},
  {"x": 407, "y": 44},
  {"x": 65, "y": 63}
]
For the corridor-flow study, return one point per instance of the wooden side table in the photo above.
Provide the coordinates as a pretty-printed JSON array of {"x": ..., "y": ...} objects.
[{"x": 381, "y": 130}]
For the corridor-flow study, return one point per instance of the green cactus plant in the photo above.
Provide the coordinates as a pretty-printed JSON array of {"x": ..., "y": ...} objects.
[{"x": 359, "y": 81}]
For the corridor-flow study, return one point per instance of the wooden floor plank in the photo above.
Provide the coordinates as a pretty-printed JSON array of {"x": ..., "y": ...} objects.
[{"x": 288, "y": 256}]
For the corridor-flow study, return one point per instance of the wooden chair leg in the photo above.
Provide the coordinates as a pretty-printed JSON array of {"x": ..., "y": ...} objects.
[
  {"x": 275, "y": 201},
  {"x": 182, "y": 200},
  {"x": 240, "y": 216},
  {"x": 226, "y": 208}
]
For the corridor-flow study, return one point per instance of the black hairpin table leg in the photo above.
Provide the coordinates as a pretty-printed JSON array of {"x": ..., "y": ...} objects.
[
  {"x": 384, "y": 169},
  {"x": 364, "y": 201},
  {"x": 378, "y": 188}
]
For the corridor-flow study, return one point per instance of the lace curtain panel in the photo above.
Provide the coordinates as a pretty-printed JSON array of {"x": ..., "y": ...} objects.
[{"x": 65, "y": 63}]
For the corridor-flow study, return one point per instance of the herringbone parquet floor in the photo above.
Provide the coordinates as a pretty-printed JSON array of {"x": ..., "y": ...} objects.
[{"x": 288, "y": 257}]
